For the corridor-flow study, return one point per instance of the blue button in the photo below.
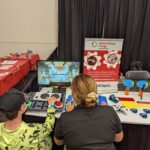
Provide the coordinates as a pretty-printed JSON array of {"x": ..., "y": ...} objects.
[
  {"x": 146, "y": 111},
  {"x": 134, "y": 110},
  {"x": 143, "y": 115}
]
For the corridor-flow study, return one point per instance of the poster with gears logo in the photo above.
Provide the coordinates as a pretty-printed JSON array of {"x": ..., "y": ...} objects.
[{"x": 102, "y": 62}]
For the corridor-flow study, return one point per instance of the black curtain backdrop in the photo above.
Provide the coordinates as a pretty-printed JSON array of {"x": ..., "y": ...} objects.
[
  {"x": 127, "y": 19},
  {"x": 78, "y": 19}
]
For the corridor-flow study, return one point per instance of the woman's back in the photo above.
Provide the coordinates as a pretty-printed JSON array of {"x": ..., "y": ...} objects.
[{"x": 90, "y": 128}]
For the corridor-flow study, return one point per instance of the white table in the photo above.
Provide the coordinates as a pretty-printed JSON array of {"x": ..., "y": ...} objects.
[{"x": 129, "y": 118}]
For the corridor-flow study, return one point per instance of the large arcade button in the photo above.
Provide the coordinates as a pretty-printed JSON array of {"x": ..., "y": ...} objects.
[
  {"x": 55, "y": 95},
  {"x": 44, "y": 96},
  {"x": 58, "y": 104}
]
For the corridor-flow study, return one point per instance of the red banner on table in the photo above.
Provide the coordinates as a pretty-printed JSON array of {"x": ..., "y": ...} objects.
[{"x": 102, "y": 61}]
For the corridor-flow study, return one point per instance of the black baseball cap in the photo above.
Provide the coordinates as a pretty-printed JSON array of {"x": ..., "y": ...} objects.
[{"x": 12, "y": 100}]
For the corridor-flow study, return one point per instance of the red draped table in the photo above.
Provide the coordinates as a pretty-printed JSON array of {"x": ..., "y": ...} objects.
[
  {"x": 23, "y": 56},
  {"x": 11, "y": 74}
]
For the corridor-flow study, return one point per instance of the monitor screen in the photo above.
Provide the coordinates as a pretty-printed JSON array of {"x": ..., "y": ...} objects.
[{"x": 58, "y": 73}]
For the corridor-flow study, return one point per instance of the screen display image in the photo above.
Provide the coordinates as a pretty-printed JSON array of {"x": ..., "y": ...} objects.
[{"x": 57, "y": 72}]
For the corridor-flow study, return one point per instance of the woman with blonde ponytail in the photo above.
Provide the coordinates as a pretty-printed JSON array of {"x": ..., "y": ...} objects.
[{"x": 88, "y": 126}]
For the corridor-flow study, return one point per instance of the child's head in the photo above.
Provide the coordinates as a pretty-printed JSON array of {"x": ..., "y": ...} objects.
[
  {"x": 11, "y": 103},
  {"x": 84, "y": 90}
]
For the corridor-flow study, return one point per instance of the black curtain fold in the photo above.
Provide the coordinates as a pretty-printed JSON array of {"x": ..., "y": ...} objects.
[
  {"x": 133, "y": 35},
  {"x": 144, "y": 48},
  {"x": 126, "y": 19},
  {"x": 78, "y": 19},
  {"x": 115, "y": 19}
]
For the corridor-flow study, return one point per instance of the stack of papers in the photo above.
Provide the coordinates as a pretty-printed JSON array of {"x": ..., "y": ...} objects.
[
  {"x": 9, "y": 62},
  {"x": 5, "y": 67}
]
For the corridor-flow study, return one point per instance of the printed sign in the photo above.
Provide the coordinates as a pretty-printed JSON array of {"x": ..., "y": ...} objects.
[{"x": 102, "y": 61}]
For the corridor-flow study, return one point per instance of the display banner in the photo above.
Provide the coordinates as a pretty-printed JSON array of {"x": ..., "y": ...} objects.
[{"x": 102, "y": 62}]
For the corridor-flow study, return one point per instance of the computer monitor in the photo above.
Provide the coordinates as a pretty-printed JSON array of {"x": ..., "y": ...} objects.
[{"x": 57, "y": 73}]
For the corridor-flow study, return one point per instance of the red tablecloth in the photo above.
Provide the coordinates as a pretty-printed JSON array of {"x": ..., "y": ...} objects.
[
  {"x": 23, "y": 56},
  {"x": 11, "y": 76}
]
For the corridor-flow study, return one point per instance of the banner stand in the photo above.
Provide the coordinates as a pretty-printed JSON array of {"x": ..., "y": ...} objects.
[{"x": 102, "y": 62}]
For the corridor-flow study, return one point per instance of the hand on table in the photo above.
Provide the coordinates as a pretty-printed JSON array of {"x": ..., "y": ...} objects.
[
  {"x": 69, "y": 106},
  {"x": 51, "y": 100},
  {"x": 103, "y": 103}
]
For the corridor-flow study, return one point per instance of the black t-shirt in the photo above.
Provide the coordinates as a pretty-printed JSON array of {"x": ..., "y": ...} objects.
[{"x": 88, "y": 128}]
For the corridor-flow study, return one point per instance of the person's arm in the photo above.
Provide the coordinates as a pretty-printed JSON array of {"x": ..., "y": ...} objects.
[
  {"x": 36, "y": 132},
  {"x": 58, "y": 132},
  {"x": 119, "y": 133},
  {"x": 58, "y": 142},
  {"x": 48, "y": 125},
  {"x": 69, "y": 106},
  {"x": 118, "y": 137},
  {"x": 40, "y": 131}
]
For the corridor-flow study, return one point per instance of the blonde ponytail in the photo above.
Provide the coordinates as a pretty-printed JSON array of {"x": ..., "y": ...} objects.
[
  {"x": 91, "y": 99},
  {"x": 84, "y": 90}
]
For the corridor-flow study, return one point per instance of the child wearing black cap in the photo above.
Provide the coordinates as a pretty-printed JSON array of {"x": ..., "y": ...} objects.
[{"x": 18, "y": 135}]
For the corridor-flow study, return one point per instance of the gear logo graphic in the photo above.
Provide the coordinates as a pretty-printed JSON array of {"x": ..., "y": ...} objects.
[
  {"x": 112, "y": 59},
  {"x": 94, "y": 44},
  {"x": 92, "y": 61}
]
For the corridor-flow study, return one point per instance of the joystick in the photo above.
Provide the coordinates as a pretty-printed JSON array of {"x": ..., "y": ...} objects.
[
  {"x": 128, "y": 84},
  {"x": 142, "y": 84}
]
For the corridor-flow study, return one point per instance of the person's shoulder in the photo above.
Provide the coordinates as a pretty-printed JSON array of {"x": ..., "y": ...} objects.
[
  {"x": 69, "y": 114},
  {"x": 106, "y": 108},
  {"x": 66, "y": 114}
]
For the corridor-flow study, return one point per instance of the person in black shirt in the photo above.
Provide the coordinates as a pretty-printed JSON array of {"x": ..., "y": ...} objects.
[{"x": 88, "y": 126}]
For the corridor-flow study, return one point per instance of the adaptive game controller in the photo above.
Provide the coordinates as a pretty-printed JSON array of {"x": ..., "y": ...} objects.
[
  {"x": 39, "y": 101},
  {"x": 42, "y": 96}
]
